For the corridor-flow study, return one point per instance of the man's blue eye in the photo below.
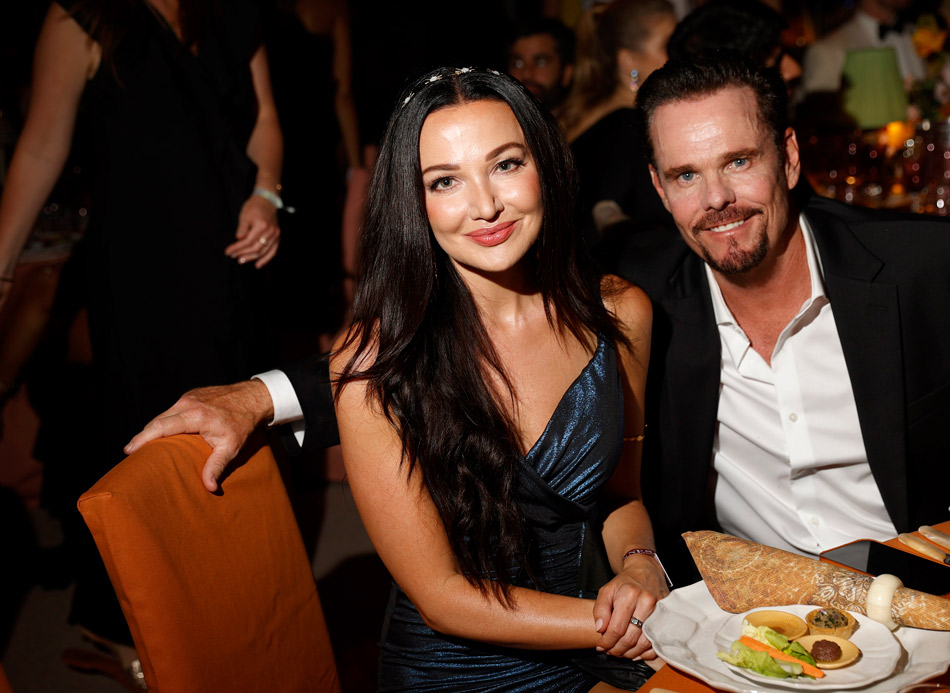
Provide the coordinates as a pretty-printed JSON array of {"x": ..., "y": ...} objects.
[{"x": 687, "y": 177}]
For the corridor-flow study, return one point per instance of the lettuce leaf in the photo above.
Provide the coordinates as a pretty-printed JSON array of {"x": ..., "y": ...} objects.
[
  {"x": 743, "y": 656},
  {"x": 768, "y": 636}
]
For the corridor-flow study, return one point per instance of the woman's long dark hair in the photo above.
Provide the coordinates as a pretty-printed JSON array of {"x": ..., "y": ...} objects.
[{"x": 432, "y": 350}]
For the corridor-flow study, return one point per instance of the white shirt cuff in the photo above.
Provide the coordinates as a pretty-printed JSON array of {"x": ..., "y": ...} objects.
[{"x": 286, "y": 405}]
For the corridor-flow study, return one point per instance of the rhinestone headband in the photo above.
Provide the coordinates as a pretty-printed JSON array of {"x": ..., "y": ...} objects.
[{"x": 451, "y": 73}]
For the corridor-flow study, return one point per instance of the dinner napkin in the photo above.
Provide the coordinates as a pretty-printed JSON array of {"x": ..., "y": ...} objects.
[{"x": 743, "y": 575}]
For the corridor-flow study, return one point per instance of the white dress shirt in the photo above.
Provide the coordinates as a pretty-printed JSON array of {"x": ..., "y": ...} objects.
[
  {"x": 824, "y": 59},
  {"x": 791, "y": 464},
  {"x": 286, "y": 404}
]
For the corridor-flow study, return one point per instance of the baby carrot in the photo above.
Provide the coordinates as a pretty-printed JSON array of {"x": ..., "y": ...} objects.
[{"x": 778, "y": 654}]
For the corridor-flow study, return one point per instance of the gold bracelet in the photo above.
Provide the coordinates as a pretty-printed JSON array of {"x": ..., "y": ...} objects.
[{"x": 634, "y": 439}]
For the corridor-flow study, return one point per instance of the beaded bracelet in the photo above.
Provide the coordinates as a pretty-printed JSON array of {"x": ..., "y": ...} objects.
[{"x": 649, "y": 552}]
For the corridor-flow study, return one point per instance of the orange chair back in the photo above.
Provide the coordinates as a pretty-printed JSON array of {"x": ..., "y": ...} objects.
[{"x": 217, "y": 588}]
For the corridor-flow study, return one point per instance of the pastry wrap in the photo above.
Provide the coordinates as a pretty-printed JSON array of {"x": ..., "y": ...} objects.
[{"x": 743, "y": 575}]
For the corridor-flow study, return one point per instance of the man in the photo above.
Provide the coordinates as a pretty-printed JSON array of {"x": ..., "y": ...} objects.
[
  {"x": 875, "y": 24},
  {"x": 749, "y": 27},
  {"x": 541, "y": 57},
  {"x": 800, "y": 369}
]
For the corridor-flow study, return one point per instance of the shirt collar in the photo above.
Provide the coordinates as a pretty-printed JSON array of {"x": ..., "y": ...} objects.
[{"x": 868, "y": 24}]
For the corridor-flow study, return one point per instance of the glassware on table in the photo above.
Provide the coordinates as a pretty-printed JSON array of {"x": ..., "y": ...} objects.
[{"x": 934, "y": 159}]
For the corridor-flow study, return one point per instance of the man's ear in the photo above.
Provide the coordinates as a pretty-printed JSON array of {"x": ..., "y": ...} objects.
[
  {"x": 659, "y": 188},
  {"x": 567, "y": 75},
  {"x": 793, "y": 164}
]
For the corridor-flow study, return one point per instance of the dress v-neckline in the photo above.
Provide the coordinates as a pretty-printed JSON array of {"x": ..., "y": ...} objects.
[
  {"x": 165, "y": 25},
  {"x": 560, "y": 403}
]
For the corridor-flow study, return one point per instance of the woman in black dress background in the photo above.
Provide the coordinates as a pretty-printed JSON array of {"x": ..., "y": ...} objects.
[{"x": 175, "y": 101}]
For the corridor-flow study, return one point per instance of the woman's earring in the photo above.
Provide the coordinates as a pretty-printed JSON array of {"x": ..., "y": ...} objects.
[{"x": 634, "y": 80}]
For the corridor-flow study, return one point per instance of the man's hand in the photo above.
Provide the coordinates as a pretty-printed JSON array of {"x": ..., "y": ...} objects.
[{"x": 224, "y": 415}]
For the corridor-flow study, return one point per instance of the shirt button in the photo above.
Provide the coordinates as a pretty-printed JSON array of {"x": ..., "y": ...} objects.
[
  {"x": 814, "y": 521},
  {"x": 793, "y": 417}
]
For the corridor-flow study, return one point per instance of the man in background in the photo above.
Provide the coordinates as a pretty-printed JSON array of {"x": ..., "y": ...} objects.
[
  {"x": 541, "y": 57},
  {"x": 875, "y": 24}
]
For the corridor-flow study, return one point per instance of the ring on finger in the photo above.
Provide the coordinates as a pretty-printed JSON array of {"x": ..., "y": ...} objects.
[
  {"x": 263, "y": 241},
  {"x": 636, "y": 622}
]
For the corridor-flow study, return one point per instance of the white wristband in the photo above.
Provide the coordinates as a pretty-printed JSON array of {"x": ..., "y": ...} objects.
[{"x": 272, "y": 197}]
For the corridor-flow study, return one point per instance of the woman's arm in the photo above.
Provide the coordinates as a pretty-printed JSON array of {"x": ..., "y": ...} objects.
[
  {"x": 408, "y": 534},
  {"x": 258, "y": 232},
  {"x": 640, "y": 581},
  {"x": 343, "y": 99},
  {"x": 64, "y": 59}
]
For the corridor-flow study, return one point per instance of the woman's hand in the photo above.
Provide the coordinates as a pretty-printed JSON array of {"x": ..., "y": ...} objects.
[
  {"x": 630, "y": 595},
  {"x": 257, "y": 232}
]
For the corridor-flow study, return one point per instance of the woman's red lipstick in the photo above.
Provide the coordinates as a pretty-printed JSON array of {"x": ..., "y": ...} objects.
[{"x": 494, "y": 235}]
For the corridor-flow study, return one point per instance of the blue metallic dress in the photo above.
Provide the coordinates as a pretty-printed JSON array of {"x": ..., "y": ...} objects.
[{"x": 560, "y": 490}]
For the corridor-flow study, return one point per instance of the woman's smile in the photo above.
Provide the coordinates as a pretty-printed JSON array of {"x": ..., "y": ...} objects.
[{"x": 493, "y": 235}]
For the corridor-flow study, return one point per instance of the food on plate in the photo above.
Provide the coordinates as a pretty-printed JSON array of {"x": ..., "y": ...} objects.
[
  {"x": 762, "y": 650},
  {"x": 830, "y": 621},
  {"x": 825, "y": 651},
  {"x": 822, "y": 647},
  {"x": 782, "y": 622},
  {"x": 742, "y": 575}
]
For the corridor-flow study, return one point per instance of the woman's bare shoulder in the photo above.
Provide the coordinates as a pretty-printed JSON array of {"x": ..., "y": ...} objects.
[
  {"x": 628, "y": 302},
  {"x": 349, "y": 354}
]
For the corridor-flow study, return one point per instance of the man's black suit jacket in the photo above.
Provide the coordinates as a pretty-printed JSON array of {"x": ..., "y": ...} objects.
[{"x": 888, "y": 279}]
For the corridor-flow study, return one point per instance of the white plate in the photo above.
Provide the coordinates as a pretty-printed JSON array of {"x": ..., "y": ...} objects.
[
  {"x": 880, "y": 653},
  {"x": 683, "y": 626}
]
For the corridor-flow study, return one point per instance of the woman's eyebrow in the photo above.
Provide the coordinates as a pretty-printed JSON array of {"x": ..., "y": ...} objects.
[
  {"x": 498, "y": 150},
  {"x": 440, "y": 167}
]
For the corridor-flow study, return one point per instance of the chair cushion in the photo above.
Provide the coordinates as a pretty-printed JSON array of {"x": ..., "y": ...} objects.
[{"x": 217, "y": 588}]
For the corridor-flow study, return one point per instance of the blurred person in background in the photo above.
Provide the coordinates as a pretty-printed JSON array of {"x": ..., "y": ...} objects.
[
  {"x": 749, "y": 27},
  {"x": 185, "y": 181},
  {"x": 541, "y": 57},
  {"x": 874, "y": 24},
  {"x": 310, "y": 57},
  {"x": 619, "y": 45}
]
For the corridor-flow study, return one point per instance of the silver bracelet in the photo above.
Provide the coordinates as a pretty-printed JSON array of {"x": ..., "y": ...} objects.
[{"x": 649, "y": 552}]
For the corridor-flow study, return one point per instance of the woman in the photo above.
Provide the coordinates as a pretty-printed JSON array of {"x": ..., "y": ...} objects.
[
  {"x": 177, "y": 105},
  {"x": 479, "y": 394},
  {"x": 323, "y": 158},
  {"x": 619, "y": 44}
]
